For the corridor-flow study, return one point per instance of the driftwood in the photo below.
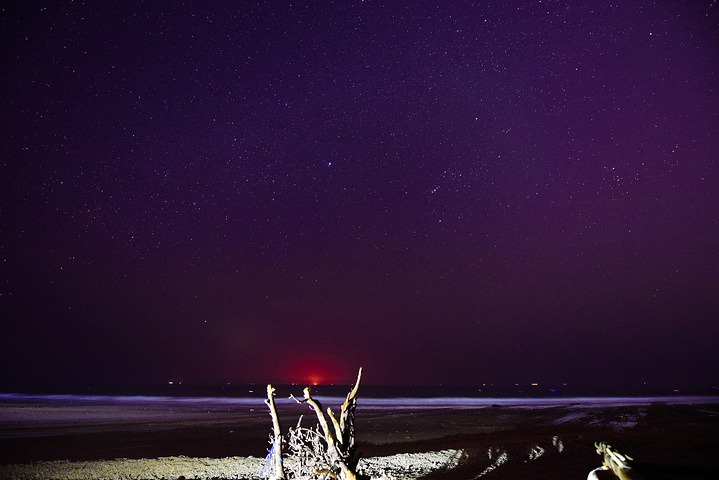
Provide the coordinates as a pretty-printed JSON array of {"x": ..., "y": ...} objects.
[
  {"x": 275, "y": 457},
  {"x": 615, "y": 464},
  {"x": 325, "y": 452}
]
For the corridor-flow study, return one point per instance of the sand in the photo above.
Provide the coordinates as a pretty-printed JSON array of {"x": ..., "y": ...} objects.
[
  {"x": 400, "y": 467},
  {"x": 668, "y": 440}
]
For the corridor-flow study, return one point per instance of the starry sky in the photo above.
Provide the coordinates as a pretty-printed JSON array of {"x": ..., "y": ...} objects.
[{"x": 441, "y": 192}]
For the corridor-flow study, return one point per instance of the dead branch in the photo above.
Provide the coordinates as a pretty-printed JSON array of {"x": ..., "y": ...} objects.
[
  {"x": 345, "y": 429},
  {"x": 336, "y": 455},
  {"x": 347, "y": 420},
  {"x": 275, "y": 455},
  {"x": 619, "y": 464}
]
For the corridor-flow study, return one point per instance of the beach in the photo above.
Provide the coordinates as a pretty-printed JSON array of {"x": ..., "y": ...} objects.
[{"x": 68, "y": 437}]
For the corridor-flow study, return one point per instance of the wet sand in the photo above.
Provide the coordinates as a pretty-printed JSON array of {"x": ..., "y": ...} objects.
[{"x": 538, "y": 441}]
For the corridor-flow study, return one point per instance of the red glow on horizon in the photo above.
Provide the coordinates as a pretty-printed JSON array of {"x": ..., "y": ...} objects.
[{"x": 315, "y": 371}]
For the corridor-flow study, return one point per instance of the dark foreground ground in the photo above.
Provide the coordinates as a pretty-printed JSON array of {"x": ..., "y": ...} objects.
[{"x": 551, "y": 441}]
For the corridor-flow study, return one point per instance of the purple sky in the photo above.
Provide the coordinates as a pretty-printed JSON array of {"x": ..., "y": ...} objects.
[{"x": 442, "y": 192}]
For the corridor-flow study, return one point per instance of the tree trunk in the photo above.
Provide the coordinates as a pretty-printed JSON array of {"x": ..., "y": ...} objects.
[{"x": 275, "y": 455}]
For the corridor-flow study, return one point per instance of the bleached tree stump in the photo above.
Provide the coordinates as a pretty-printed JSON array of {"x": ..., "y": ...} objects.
[{"x": 334, "y": 455}]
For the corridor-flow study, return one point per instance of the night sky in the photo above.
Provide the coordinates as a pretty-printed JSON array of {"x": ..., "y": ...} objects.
[{"x": 441, "y": 192}]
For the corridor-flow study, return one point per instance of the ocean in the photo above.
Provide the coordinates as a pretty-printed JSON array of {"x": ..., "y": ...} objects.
[
  {"x": 251, "y": 393},
  {"x": 251, "y": 397}
]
